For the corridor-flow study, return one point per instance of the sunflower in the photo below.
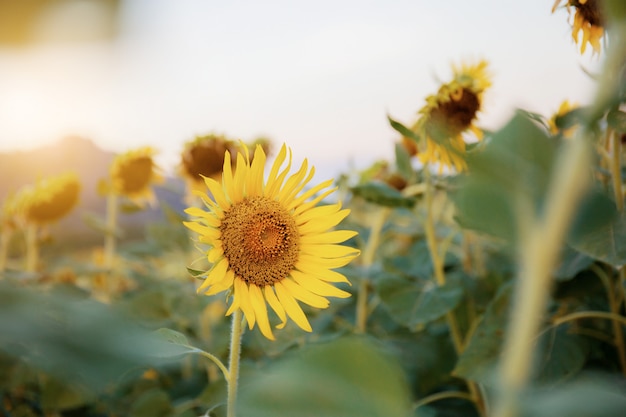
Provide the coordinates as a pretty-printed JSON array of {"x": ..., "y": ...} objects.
[
  {"x": 565, "y": 108},
  {"x": 49, "y": 200},
  {"x": 588, "y": 19},
  {"x": 133, "y": 173},
  {"x": 204, "y": 157},
  {"x": 450, "y": 113},
  {"x": 270, "y": 242}
]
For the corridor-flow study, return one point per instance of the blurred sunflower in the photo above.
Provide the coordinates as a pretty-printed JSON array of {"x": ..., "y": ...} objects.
[
  {"x": 50, "y": 199},
  {"x": 450, "y": 113},
  {"x": 565, "y": 108},
  {"x": 269, "y": 244},
  {"x": 133, "y": 174},
  {"x": 204, "y": 157},
  {"x": 588, "y": 19}
]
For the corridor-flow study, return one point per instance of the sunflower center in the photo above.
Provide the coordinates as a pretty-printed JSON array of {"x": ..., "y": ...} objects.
[
  {"x": 260, "y": 240},
  {"x": 136, "y": 174},
  {"x": 590, "y": 12},
  {"x": 453, "y": 117},
  {"x": 205, "y": 159}
]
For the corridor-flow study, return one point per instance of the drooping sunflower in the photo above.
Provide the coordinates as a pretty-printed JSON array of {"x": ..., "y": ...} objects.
[
  {"x": 565, "y": 108},
  {"x": 450, "y": 113},
  {"x": 133, "y": 173},
  {"x": 270, "y": 241},
  {"x": 588, "y": 19},
  {"x": 49, "y": 200}
]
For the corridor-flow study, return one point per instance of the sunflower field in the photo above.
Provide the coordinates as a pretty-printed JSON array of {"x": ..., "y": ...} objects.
[{"x": 479, "y": 273}]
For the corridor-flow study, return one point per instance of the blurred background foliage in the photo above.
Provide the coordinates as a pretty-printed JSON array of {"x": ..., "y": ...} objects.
[{"x": 81, "y": 339}]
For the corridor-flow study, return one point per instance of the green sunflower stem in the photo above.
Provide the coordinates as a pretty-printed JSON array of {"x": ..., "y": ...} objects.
[
  {"x": 233, "y": 364},
  {"x": 367, "y": 260},
  {"x": 539, "y": 250},
  {"x": 32, "y": 248}
]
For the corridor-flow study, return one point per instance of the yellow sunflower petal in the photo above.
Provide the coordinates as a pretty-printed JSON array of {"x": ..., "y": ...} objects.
[
  {"x": 306, "y": 206},
  {"x": 201, "y": 229},
  {"x": 309, "y": 193},
  {"x": 326, "y": 262},
  {"x": 305, "y": 295},
  {"x": 260, "y": 310},
  {"x": 215, "y": 253},
  {"x": 226, "y": 282},
  {"x": 329, "y": 251},
  {"x": 280, "y": 158},
  {"x": 336, "y": 236},
  {"x": 242, "y": 292},
  {"x": 255, "y": 178},
  {"x": 321, "y": 224},
  {"x": 319, "y": 287},
  {"x": 216, "y": 273},
  {"x": 241, "y": 173},
  {"x": 291, "y": 307},
  {"x": 227, "y": 176},
  {"x": 217, "y": 193},
  {"x": 318, "y": 212},
  {"x": 322, "y": 273},
  {"x": 276, "y": 306}
]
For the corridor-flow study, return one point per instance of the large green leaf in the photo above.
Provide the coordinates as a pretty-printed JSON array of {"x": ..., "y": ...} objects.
[
  {"x": 606, "y": 242},
  {"x": 515, "y": 163},
  {"x": 413, "y": 303},
  {"x": 561, "y": 355},
  {"x": 349, "y": 377},
  {"x": 480, "y": 357},
  {"x": 382, "y": 194}
]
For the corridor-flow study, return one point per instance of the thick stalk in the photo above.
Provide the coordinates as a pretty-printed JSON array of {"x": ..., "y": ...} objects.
[
  {"x": 539, "y": 251},
  {"x": 367, "y": 260},
  {"x": 233, "y": 362},
  {"x": 32, "y": 248}
]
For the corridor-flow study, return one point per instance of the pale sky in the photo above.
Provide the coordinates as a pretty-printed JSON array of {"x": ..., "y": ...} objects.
[{"x": 319, "y": 75}]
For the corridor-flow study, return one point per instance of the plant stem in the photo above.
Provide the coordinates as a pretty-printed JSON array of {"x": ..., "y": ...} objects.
[
  {"x": 233, "y": 364},
  {"x": 442, "y": 396},
  {"x": 111, "y": 229},
  {"x": 32, "y": 248},
  {"x": 539, "y": 250},
  {"x": 367, "y": 260},
  {"x": 440, "y": 278}
]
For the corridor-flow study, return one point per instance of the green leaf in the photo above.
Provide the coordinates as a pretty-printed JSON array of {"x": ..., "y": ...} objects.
[
  {"x": 152, "y": 403},
  {"x": 414, "y": 303},
  {"x": 479, "y": 359},
  {"x": 196, "y": 273},
  {"x": 349, "y": 377},
  {"x": 172, "y": 336},
  {"x": 382, "y": 194},
  {"x": 515, "y": 163},
  {"x": 562, "y": 355},
  {"x": 403, "y": 130},
  {"x": 617, "y": 120},
  {"x": 582, "y": 398},
  {"x": 572, "y": 262},
  {"x": 403, "y": 162},
  {"x": 606, "y": 243}
]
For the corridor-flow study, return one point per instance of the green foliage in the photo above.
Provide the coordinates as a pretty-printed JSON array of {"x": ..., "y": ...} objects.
[{"x": 334, "y": 380}]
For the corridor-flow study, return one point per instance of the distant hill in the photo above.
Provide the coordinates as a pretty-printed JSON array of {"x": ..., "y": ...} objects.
[{"x": 91, "y": 164}]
